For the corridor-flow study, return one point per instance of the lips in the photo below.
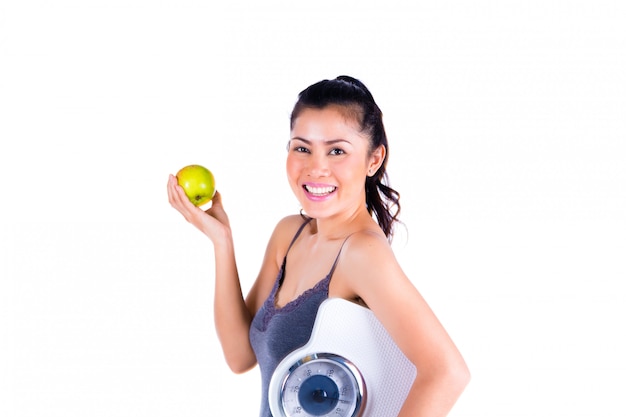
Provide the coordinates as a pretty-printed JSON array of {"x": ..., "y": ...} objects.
[{"x": 319, "y": 190}]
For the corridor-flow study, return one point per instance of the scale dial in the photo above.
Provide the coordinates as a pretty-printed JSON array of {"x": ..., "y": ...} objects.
[{"x": 322, "y": 384}]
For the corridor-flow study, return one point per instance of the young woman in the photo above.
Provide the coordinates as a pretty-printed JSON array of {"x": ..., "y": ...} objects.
[{"x": 338, "y": 246}]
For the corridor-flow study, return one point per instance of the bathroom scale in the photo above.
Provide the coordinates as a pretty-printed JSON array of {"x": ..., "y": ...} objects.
[{"x": 350, "y": 367}]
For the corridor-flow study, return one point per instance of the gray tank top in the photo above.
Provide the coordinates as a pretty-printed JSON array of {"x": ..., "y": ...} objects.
[{"x": 275, "y": 332}]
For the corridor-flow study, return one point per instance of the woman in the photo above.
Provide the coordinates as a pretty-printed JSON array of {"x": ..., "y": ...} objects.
[{"x": 336, "y": 166}]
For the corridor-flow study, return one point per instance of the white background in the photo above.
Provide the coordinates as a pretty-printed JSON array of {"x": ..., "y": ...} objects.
[{"x": 507, "y": 135}]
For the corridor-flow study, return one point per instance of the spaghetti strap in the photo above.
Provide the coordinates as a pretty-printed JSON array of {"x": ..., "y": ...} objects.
[
  {"x": 281, "y": 275},
  {"x": 332, "y": 269},
  {"x": 297, "y": 234}
]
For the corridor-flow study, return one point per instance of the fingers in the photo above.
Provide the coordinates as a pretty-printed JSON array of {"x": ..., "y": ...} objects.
[
  {"x": 173, "y": 191},
  {"x": 178, "y": 199}
]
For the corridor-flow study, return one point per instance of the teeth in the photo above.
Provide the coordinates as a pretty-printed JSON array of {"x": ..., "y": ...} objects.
[{"x": 320, "y": 190}]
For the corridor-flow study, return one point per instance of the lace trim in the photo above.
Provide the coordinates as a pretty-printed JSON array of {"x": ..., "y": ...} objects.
[{"x": 270, "y": 304}]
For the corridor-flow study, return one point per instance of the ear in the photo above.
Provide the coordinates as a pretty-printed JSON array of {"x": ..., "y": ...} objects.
[{"x": 376, "y": 159}]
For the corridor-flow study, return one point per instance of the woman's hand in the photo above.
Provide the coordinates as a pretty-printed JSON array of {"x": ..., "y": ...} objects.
[{"x": 212, "y": 222}]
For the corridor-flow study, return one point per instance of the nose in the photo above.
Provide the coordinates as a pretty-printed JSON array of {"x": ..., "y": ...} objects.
[{"x": 318, "y": 166}]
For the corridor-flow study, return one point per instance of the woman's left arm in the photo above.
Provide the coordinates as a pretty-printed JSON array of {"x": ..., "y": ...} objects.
[{"x": 377, "y": 278}]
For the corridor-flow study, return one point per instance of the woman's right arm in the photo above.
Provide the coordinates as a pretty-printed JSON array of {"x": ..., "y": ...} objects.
[{"x": 232, "y": 316}]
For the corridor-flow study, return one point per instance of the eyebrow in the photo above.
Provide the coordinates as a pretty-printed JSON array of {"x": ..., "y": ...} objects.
[{"x": 326, "y": 142}]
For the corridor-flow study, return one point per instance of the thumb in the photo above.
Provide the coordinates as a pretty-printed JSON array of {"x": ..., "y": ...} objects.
[
  {"x": 216, "y": 203},
  {"x": 217, "y": 198}
]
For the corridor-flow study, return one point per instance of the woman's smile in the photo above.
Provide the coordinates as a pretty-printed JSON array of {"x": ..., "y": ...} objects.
[{"x": 318, "y": 191}]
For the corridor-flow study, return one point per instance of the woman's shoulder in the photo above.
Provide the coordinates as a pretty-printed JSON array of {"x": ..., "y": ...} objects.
[
  {"x": 366, "y": 256},
  {"x": 285, "y": 230},
  {"x": 290, "y": 224},
  {"x": 367, "y": 239},
  {"x": 366, "y": 249},
  {"x": 292, "y": 220}
]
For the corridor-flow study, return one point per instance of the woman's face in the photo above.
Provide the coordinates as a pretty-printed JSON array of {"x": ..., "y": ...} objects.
[{"x": 328, "y": 161}]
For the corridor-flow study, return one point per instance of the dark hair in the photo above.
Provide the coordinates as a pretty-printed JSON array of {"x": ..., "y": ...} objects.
[{"x": 383, "y": 202}]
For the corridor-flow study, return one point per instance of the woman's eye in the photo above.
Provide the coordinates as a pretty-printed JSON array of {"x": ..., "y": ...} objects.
[
  {"x": 300, "y": 149},
  {"x": 337, "y": 151}
]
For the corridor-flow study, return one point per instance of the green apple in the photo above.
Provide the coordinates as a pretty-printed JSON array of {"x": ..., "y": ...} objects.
[{"x": 198, "y": 183}]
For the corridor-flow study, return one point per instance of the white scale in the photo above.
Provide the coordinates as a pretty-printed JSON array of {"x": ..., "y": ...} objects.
[{"x": 350, "y": 367}]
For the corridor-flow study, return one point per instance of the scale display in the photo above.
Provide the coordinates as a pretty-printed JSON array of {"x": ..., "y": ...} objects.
[{"x": 322, "y": 384}]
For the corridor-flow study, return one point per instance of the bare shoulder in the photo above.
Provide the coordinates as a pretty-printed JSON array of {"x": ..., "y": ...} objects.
[
  {"x": 283, "y": 233},
  {"x": 365, "y": 258},
  {"x": 293, "y": 221},
  {"x": 287, "y": 227},
  {"x": 367, "y": 246}
]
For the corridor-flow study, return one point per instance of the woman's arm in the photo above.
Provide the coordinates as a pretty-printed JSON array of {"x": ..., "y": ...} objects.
[
  {"x": 372, "y": 272},
  {"x": 232, "y": 317}
]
